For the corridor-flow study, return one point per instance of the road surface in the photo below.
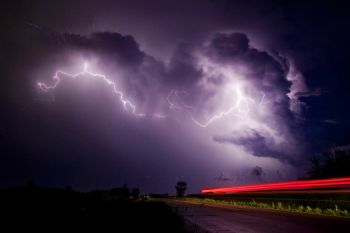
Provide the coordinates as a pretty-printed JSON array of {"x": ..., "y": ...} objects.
[{"x": 220, "y": 219}]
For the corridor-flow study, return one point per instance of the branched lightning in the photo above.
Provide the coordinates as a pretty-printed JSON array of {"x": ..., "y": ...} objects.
[
  {"x": 241, "y": 105},
  {"x": 128, "y": 105}
]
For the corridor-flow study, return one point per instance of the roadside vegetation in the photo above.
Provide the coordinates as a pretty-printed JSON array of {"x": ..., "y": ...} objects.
[
  {"x": 335, "y": 211},
  {"x": 332, "y": 164}
]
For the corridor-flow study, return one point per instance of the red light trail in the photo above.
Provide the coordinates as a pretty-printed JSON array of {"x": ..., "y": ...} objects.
[{"x": 291, "y": 185}]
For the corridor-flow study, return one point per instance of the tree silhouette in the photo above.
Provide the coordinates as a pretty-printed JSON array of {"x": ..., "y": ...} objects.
[
  {"x": 335, "y": 163},
  {"x": 135, "y": 192},
  {"x": 181, "y": 187}
]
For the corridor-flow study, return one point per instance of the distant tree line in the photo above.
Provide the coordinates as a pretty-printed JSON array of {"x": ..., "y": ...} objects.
[
  {"x": 334, "y": 163},
  {"x": 34, "y": 208}
]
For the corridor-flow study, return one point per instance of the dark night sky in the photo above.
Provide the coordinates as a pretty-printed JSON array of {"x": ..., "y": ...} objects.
[{"x": 231, "y": 92}]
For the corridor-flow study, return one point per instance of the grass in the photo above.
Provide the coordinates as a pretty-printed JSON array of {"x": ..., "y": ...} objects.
[{"x": 276, "y": 206}]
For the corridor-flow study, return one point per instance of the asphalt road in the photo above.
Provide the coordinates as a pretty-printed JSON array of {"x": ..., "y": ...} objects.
[{"x": 216, "y": 218}]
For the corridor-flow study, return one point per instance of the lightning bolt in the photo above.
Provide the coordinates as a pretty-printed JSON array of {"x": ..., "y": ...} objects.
[
  {"x": 174, "y": 99},
  {"x": 128, "y": 105},
  {"x": 241, "y": 106}
]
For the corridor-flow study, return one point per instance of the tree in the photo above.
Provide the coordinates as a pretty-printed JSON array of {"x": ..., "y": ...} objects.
[
  {"x": 135, "y": 192},
  {"x": 335, "y": 163},
  {"x": 181, "y": 187},
  {"x": 122, "y": 192},
  {"x": 125, "y": 191}
]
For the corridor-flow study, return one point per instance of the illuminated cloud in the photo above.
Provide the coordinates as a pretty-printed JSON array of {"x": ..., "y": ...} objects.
[
  {"x": 298, "y": 89},
  {"x": 242, "y": 95}
]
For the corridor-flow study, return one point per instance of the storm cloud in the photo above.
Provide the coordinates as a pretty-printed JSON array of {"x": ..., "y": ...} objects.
[
  {"x": 239, "y": 93},
  {"x": 223, "y": 86}
]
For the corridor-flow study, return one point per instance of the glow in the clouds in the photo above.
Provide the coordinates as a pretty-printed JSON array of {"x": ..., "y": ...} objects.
[{"x": 240, "y": 103}]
